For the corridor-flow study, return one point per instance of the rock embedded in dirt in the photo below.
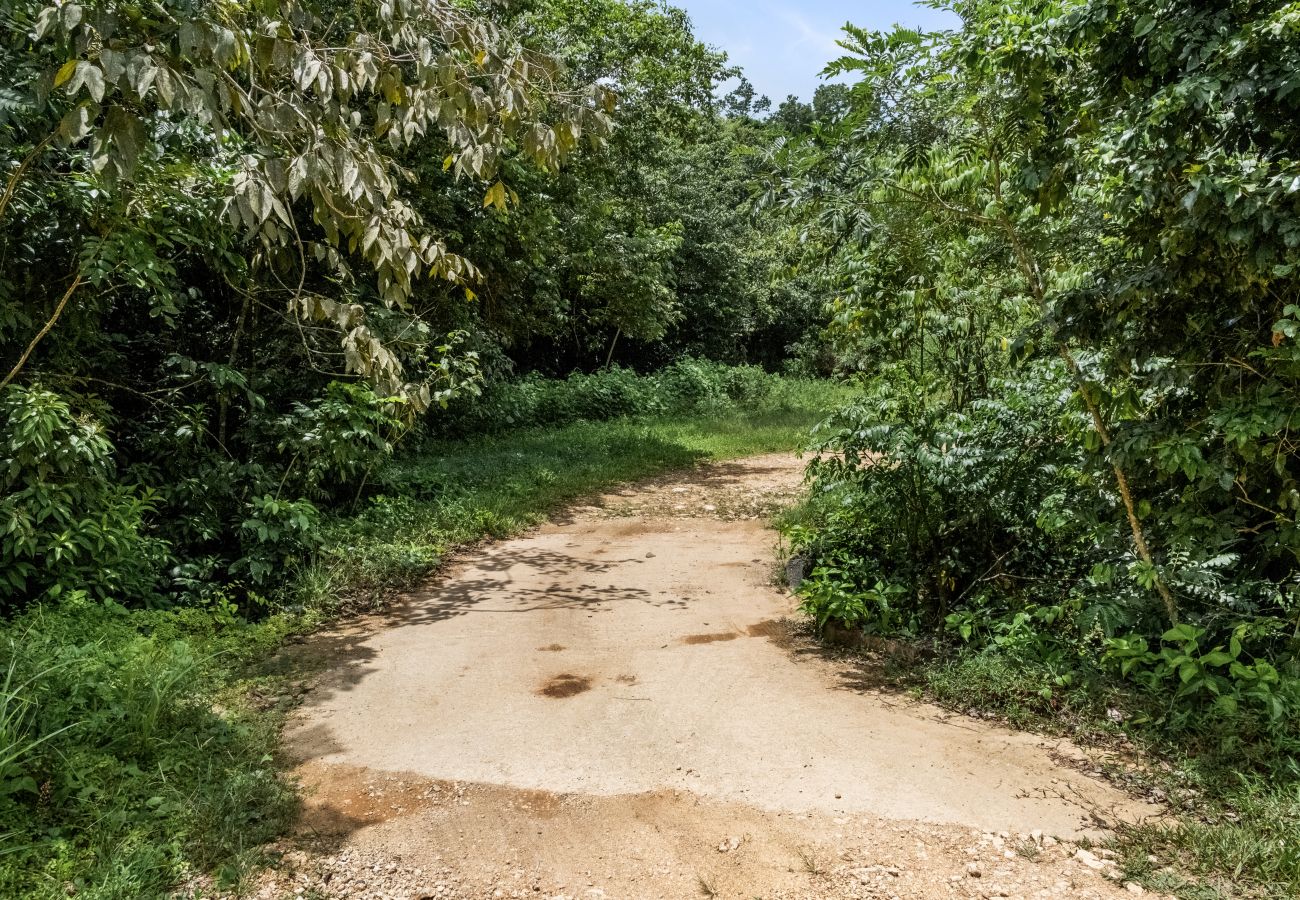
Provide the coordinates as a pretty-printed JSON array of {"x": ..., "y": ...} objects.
[
  {"x": 795, "y": 568},
  {"x": 1088, "y": 858},
  {"x": 728, "y": 845}
]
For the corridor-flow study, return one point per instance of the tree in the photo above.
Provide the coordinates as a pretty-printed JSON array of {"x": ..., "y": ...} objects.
[
  {"x": 301, "y": 115},
  {"x": 191, "y": 196},
  {"x": 792, "y": 116},
  {"x": 642, "y": 249},
  {"x": 830, "y": 102},
  {"x": 1089, "y": 188},
  {"x": 740, "y": 100}
]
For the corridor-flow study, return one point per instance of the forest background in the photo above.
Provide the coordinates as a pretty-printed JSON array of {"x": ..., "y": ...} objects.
[{"x": 296, "y": 298}]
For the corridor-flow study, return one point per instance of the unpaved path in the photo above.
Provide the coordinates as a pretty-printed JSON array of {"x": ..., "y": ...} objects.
[{"x": 613, "y": 706}]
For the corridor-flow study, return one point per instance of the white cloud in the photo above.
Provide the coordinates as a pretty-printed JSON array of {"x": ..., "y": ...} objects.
[{"x": 819, "y": 40}]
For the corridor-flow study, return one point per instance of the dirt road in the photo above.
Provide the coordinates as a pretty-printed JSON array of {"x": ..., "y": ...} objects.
[{"x": 613, "y": 706}]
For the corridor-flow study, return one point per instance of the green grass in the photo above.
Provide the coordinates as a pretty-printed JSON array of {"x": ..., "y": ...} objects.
[
  {"x": 1232, "y": 834},
  {"x": 455, "y": 494},
  {"x": 166, "y": 766},
  {"x": 1240, "y": 842},
  {"x": 127, "y": 774}
]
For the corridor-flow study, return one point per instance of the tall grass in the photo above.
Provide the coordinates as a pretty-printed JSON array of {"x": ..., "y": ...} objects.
[{"x": 125, "y": 773}]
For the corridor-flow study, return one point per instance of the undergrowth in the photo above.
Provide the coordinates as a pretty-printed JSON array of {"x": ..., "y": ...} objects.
[
  {"x": 135, "y": 748},
  {"x": 986, "y": 534},
  {"x": 119, "y": 772},
  {"x": 1232, "y": 828}
]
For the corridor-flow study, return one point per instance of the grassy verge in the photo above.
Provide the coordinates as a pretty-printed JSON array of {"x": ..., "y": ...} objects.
[
  {"x": 1234, "y": 831},
  {"x": 459, "y": 493},
  {"x": 135, "y": 746}
]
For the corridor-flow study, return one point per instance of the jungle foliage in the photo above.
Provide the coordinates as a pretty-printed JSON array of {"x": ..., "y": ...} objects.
[
  {"x": 259, "y": 263},
  {"x": 1064, "y": 243},
  {"x": 251, "y": 249},
  {"x": 278, "y": 278},
  {"x": 1065, "y": 239}
]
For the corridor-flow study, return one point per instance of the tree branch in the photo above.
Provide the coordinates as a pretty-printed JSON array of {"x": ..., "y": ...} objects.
[{"x": 58, "y": 311}]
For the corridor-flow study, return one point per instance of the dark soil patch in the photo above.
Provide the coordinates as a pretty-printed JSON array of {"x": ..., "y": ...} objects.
[
  {"x": 768, "y": 628},
  {"x": 562, "y": 686},
  {"x": 710, "y": 638}
]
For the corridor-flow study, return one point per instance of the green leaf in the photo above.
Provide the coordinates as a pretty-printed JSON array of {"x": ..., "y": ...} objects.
[
  {"x": 1181, "y": 634},
  {"x": 1226, "y": 704},
  {"x": 75, "y": 124}
]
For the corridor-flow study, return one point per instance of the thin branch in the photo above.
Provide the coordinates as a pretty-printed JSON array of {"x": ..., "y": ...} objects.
[
  {"x": 58, "y": 311},
  {"x": 17, "y": 176}
]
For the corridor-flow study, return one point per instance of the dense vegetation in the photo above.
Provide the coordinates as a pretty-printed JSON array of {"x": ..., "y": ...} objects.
[
  {"x": 1064, "y": 245},
  {"x": 137, "y": 746},
  {"x": 295, "y": 297},
  {"x": 248, "y": 250}
]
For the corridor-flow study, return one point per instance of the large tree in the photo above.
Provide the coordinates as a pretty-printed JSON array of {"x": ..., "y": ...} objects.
[{"x": 207, "y": 216}]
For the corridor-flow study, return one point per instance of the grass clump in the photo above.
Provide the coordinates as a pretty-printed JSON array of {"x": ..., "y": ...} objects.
[
  {"x": 1240, "y": 843},
  {"x": 1235, "y": 817}
]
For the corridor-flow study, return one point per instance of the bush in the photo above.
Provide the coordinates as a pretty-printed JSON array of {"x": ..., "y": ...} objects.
[
  {"x": 987, "y": 529},
  {"x": 943, "y": 505},
  {"x": 64, "y": 520},
  {"x": 684, "y": 386},
  {"x": 336, "y": 439}
]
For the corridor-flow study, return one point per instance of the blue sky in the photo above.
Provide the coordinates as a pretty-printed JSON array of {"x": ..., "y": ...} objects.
[{"x": 783, "y": 44}]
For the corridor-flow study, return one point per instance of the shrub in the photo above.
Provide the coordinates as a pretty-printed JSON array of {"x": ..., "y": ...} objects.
[
  {"x": 335, "y": 440},
  {"x": 684, "y": 386},
  {"x": 944, "y": 504},
  {"x": 64, "y": 520},
  {"x": 986, "y": 527},
  {"x": 276, "y": 534}
]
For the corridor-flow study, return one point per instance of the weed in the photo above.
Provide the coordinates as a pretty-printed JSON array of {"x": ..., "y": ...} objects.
[
  {"x": 1028, "y": 850},
  {"x": 811, "y": 861},
  {"x": 1240, "y": 843},
  {"x": 1232, "y": 834},
  {"x": 135, "y": 776}
]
